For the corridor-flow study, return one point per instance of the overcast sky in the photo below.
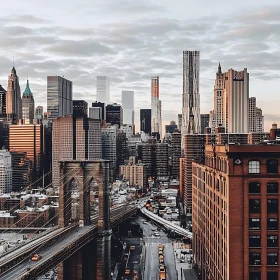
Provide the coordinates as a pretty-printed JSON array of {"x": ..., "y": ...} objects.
[{"x": 131, "y": 40}]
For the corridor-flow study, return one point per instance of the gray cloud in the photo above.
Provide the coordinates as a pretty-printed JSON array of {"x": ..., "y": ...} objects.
[{"x": 139, "y": 46}]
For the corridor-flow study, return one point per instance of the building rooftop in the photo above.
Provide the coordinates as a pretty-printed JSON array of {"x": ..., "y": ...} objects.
[
  {"x": 5, "y": 214},
  {"x": 27, "y": 90}
]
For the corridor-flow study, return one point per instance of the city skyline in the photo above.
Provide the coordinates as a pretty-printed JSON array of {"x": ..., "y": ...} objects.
[{"x": 44, "y": 55}]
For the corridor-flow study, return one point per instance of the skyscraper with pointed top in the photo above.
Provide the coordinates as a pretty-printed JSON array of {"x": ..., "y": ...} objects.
[
  {"x": 27, "y": 105},
  {"x": 13, "y": 97}
]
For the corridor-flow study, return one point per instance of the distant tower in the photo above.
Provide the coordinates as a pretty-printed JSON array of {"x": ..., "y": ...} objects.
[
  {"x": 13, "y": 97},
  {"x": 3, "y": 94},
  {"x": 27, "y": 105},
  {"x": 128, "y": 108},
  {"x": 156, "y": 110},
  {"x": 219, "y": 100},
  {"x": 191, "y": 97},
  {"x": 103, "y": 89}
]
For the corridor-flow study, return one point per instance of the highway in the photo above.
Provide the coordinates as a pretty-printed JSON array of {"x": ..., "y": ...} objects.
[
  {"x": 166, "y": 223},
  {"x": 151, "y": 249}
]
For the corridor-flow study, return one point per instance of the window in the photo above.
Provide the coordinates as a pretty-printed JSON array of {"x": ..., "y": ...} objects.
[
  {"x": 272, "y": 241},
  {"x": 254, "y": 187},
  {"x": 272, "y": 187},
  {"x": 255, "y": 223},
  {"x": 272, "y": 166},
  {"x": 272, "y": 205},
  {"x": 272, "y": 275},
  {"x": 254, "y": 241},
  {"x": 254, "y": 166},
  {"x": 255, "y": 275},
  {"x": 254, "y": 258},
  {"x": 254, "y": 205},
  {"x": 272, "y": 223},
  {"x": 272, "y": 258}
]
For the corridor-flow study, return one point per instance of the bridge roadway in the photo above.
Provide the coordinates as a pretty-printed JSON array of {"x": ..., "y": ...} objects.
[
  {"x": 166, "y": 223},
  {"x": 62, "y": 249}
]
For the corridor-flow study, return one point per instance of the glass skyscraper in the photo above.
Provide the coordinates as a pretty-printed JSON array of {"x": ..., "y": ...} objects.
[{"x": 59, "y": 97}]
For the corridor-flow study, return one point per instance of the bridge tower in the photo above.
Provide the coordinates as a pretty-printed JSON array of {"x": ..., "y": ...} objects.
[{"x": 82, "y": 263}]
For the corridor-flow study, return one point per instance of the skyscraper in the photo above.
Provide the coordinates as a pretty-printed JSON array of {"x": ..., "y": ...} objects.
[
  {"x": 128, "y": 107},
  {"x": 59, "y": 97},
  {"x": 219, "y": 118},
  {"x": 156, "y": 105},
  {"x": 39, "y": 113},
  {"x": 5, "y": 171},
  {"x": 27, "y": 105},
  {"x": 145, "y": 120},
  {"x": 13, "y": 97},
  {"x": 252, "y": 114},
  {"x": 180, "y": 121},
  {"x": 3, "y": 93},
  {"x": 74, "y": 138},
  {"x": 114, "y": 114},
  {"x": 103, "y": 89},
  {"x": 259, "y": 120},
  {"x": 204, "y": 122},
  {"x": 102, "y": 107},
  {"x": 80, "y": 108},
  {"x": 236, "y": 88},
  {"x": 29, "y": 138},
  {"x": 191, "y": 97}
]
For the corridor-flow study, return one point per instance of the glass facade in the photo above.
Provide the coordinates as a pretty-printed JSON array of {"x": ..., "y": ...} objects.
[{"x": 59, "y": 97}]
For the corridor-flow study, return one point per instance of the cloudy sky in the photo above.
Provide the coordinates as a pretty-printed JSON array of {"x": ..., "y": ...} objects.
[{"x": 132, "y": 40}]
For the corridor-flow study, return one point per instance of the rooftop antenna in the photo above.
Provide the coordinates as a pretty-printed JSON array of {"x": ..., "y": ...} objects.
[{"x": 13, "y": 62}]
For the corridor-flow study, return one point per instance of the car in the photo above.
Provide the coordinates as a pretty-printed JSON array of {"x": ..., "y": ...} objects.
[
  {"x": 145, "y": 222},
  {"x": 132, "y": 248},
  {"x": 36, "y": 257},
  {"x": 127, "y": 271}
]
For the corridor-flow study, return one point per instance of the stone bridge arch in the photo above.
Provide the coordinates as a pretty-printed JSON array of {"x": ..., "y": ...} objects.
[{"x": 84, "y": 172}]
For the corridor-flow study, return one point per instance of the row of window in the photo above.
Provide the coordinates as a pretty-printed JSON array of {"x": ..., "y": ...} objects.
[
  {"x": 271, "y": 166},
  {"x": 255, "y": 224},
  {"x": 271, "y": 241},
  {"x": 255, "y": 259},
  {"x": 271, "y": 205},
  {"x": 256, "y": 275},
  {"x": 255, "y": 187}
]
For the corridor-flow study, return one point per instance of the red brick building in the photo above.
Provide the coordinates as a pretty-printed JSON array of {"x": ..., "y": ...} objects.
[{"x": 235, "y": 203}]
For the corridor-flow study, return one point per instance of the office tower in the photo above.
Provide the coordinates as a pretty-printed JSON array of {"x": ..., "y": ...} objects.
[
  {"x": 132, "y": 144},
  {"x": 121, "y": 150},
  {"x": 170, "y": 128},
  {"x": 194, "y": 145},
  {"x": 204, "y": 122},
  {"x": 156, "y": 105},
  {"x": 259, "y": 120},
  {"x": 252, "y": 114},
  {"x": 179, "y": 122},
  {"x": 103, "y": 89},
  {"x": 127, "y": 129},
  {"x": 59, "y": 97},
  {"x": 27, "y": 105},
  {"x": 128, "y": 108},
  {"x": 80, "y": 108},
  {"x": 3, "y": 93},
  {"x": 21, "y": 171},
  {"x": 145, "y": 120},
  {"x": 219, "y": 101},
  {"x": 109, "y": 147},
  {"x": 235, "y": 215},
  {"x": 191, "y": 97},
  {"x": 114, "y": 114},
  {"x": 95, "y": 113},
  {"x": 103, "y": 109},
  {"x": 39, "y": 113},
  {"x": 74, "y": 138},
  {"x": 176, "y": 153},
  {"x": 13, "y": 97},
  {"x": 237, "y": 101},
  {"x": 29, "y": 138},
  {"x": 5, "y": 171},
  {"x": 160, "y": 119},
  {"x": 155, "y": 156}
]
